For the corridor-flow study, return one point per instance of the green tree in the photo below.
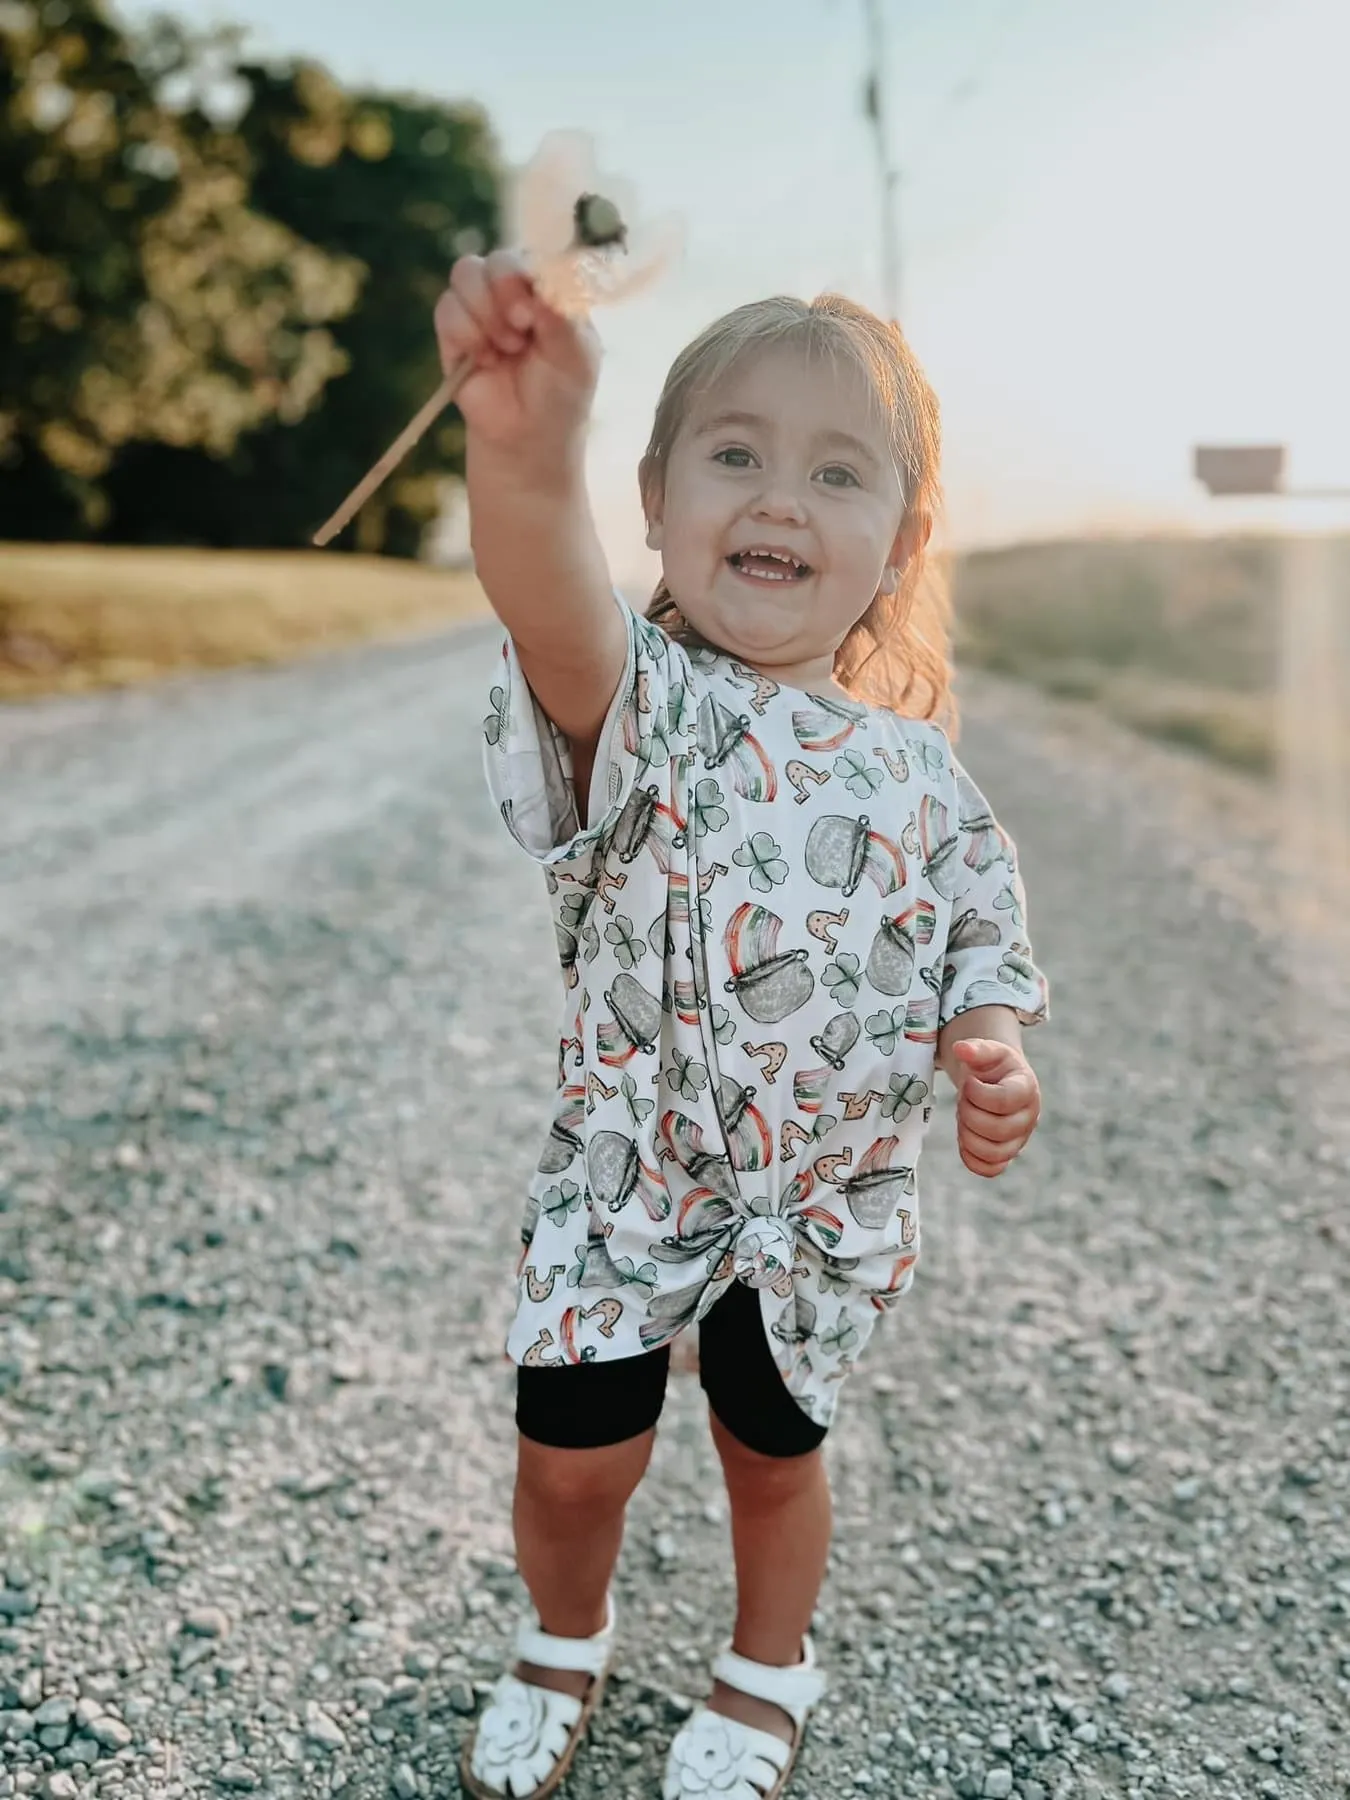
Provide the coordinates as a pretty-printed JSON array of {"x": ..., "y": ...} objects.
[
  {"x": 143, "y": 298},
  {"x": 402, "y": 184}
]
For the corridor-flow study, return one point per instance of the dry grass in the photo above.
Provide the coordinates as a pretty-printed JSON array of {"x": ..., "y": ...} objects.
[
  {"x": 77, "y": 616},
  {"x": 1179, "y": 638}
]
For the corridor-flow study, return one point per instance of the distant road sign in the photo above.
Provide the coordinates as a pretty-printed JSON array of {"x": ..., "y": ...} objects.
[{"x": 1240, "y": 468}]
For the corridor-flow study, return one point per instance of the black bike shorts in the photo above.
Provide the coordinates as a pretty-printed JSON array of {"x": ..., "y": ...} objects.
[{"x": 584, "y": 1406}]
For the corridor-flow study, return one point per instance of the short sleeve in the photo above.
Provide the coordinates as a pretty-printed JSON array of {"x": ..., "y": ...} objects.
[
  {"x": 988, "y": 959},
  {"x": 528, "y": 762}
]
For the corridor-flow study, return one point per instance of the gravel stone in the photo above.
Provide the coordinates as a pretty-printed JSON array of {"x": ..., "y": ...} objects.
[
  {"x": 245, "y": 966},
  {"x": 111, "y": 1733},
  {"x": 206, "y": 1622}
]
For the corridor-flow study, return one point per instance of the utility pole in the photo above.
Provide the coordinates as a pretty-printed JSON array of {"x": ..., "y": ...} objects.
[{"x": 874, "y": 105}]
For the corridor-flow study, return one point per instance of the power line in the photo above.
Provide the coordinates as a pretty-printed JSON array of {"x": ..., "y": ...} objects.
[{"x": 876, "y": 111}]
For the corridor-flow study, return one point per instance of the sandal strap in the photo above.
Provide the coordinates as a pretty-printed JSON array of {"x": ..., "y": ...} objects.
[
  {"x": 588, "y": 1656},
  {"x": 796, "y": 1689}
]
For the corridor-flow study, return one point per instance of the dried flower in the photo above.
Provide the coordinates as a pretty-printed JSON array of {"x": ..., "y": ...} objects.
[{"x": 576, "y": 229}]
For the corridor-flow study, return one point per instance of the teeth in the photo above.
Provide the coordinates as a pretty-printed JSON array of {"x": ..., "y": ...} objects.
[{"x": 790, "y": 564}]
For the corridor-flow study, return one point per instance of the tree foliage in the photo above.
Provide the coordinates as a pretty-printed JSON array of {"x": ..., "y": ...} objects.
[{"x": 211, "y": 325}]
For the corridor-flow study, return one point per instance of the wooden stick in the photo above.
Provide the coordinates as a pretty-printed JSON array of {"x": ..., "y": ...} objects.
[{"x": 395, "y": 454}]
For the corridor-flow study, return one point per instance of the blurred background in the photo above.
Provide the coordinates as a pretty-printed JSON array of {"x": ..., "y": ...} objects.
[{"x": 1110, "y": 233}]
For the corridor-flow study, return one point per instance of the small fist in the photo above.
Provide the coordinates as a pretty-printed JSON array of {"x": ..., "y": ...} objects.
[
  {"x": 997, "y": 1106},
  {"x": 534, "y": 372}
]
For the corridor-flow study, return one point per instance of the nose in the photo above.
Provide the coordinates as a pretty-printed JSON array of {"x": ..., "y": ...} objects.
[{"x": 781, "y": 503}]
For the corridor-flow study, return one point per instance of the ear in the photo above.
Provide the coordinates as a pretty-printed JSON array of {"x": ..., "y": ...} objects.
[
  {"x": 910, "y": 541},
  {"x": 653, "y": 504},
  {"x": 912, "y": 538}
]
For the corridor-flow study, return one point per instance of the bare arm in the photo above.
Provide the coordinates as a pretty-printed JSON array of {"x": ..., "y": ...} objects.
[
  {"x": 535, "y": 545},
  {"x": 998, "y": 1024}
]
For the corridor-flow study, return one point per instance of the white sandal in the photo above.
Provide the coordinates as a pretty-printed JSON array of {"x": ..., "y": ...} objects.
[
  {"x": 719, "y": 1756},
  {"x": 527, "y": 1735}
]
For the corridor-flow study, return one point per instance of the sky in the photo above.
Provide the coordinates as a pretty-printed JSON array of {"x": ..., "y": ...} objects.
[{"x": 1120, "y": 226}]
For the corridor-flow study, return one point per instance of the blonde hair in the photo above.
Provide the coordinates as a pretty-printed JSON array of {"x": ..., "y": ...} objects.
[{"x": 898, "y": 653}]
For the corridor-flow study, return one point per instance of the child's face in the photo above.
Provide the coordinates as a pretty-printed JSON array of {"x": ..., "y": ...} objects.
[{"x": 788, "y": 455}]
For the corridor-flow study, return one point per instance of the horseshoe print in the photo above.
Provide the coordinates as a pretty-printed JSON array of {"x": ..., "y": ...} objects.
[
  {"x": 826, "y": 926},
  {"x": 774, "y": 1055},
  {"x": 792, "y": 1137},
  {"x": 536, "y": 1357},
  {"x": 896, "y": 762},
  {"x": 799, "y": 774},
  {"x": 827, "y": 1167},
  {"x": 595, "y": 1086},
  {"x": 541, "y": 1287},
  {"x": 608, "y": 885},
  {"x": 765, "y": 688},
  {"x": 857, "y": 1106},
  {"x": 608, "y": 1312}
]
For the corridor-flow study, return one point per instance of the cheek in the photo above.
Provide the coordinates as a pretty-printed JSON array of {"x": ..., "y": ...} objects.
[{"x": 695, "y": 521}]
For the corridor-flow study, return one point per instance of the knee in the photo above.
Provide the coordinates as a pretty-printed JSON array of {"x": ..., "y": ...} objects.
[
  {"x": 592, "y": 1482},
  {"x": 756, "y": 1481}
]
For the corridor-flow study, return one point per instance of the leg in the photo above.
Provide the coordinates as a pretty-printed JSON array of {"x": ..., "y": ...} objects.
[
  {"x": 780, "y": 1497},
  {"x": 586, "y": 1436},
  {"x": 568, "y": 1516},
  {"x": 780, "y": 1535}
]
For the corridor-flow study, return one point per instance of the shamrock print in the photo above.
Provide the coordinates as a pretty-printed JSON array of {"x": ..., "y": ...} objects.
[
  {"x": 906, "y": 1092},
  {"x": 709, "y": 812},
  {"x": 843, "y": 977},
  {"x": 686, "y": 1076},
  {"x": 590, "y": 942},
  {"x": 498, "y": 720},
  {"x": 628, "y": 948},
  {"x": 558, "y": 1202},
  {"x": 642, "y": 1278},
  {"x": 928, "y": 757},
  {"x": 677, "y": 709},
  {"x": 841, "y": 1337},
  {"x": 764, "y": 859},
  {"x": 572, "y": 909},
  {"x": 638, "y": 1108},
  {"x": 1006, "y": 900},
  {"x": 723, "y": 1025},
  {"x": 654, "y": 748},
  {"x": 858, "y": 778},
  {"x": 885, "y": 1029}
]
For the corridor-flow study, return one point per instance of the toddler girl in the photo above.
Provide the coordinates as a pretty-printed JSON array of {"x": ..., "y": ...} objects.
[{"x": 780, "y": 904}]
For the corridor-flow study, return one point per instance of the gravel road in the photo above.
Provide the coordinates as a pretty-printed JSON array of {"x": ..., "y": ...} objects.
[{"x": 255, "y": 1434}]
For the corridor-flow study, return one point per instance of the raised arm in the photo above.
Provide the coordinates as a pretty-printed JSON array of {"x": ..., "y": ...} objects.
[{"x": 526, "y": 407}]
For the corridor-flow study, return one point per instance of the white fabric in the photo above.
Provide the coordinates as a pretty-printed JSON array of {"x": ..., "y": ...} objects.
[{"x": 776, "y": 902}]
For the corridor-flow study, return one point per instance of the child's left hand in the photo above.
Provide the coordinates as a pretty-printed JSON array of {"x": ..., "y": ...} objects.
[{"x": 997, "y": 1105}]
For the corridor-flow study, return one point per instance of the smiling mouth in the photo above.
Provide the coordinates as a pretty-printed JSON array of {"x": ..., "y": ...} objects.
[{"x": 768, "y": 565}]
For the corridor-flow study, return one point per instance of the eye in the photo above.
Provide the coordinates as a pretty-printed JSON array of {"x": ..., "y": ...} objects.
[
  {"x": 734, "y": 451},
  {"x": 839, "y": 475}
]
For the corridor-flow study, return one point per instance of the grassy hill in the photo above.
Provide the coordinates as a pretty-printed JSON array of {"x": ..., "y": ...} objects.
[
  {"x": 75, "y": 616},
  {"x": 1180, "y": 638}
]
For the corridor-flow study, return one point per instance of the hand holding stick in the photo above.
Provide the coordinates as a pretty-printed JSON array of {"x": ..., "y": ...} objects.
[{"x": 568, "y": 233}]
